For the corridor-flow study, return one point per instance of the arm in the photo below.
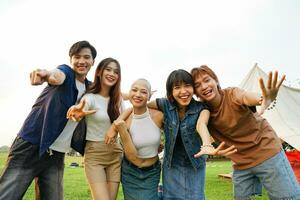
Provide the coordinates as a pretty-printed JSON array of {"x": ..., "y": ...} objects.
[
  {"x": 112, "y": 131},
  {"x": 202, "y": 127},
  {"x": 268, "y": 94},
  {"x": 207, "y": 147},
  {"x": 152, "y": 104},
  {"x": 252, "y": 99},
  {"x": 129, "y": 148},
  {"x": 125, "y": 96},
  {"x": 53, "y": 77}
]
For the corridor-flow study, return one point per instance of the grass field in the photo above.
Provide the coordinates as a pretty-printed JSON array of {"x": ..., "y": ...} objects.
[{"x": 76, "y": 187}]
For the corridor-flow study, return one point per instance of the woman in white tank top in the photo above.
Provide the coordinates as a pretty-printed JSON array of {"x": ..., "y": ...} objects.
[{"x": 140, "y": 136}]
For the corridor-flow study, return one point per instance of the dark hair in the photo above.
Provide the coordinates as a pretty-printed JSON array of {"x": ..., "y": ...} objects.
[
  {"x": 76, "y": 48},
  {"x": 114, "y": 104},
  {"x": 177, "y": 77},
  {"x": 204, "y": 69}
]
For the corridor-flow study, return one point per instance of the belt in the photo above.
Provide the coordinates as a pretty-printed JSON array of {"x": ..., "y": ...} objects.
[{"x": 148, "y": 168}]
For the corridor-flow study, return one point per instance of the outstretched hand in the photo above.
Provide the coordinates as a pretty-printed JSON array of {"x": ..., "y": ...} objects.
[
  {"x": 269, "y": 93},
  {"x": 38, "y": 76},
  {"x": 76, "y": 112},
  {"x": 219, "y": 151}
]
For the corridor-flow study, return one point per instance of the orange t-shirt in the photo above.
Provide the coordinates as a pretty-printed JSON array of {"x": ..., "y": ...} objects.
[{"x": 235, "y": 124}]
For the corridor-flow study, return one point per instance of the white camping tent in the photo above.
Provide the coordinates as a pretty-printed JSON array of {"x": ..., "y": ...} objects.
[{"x": 285, "y": 116}]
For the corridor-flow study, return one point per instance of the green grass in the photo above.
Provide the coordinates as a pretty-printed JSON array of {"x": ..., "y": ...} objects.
[{"x": 76, "y": 187}]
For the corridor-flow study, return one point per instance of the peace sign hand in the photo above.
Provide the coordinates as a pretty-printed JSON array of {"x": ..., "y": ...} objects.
[{"x": 76, "y": 112}]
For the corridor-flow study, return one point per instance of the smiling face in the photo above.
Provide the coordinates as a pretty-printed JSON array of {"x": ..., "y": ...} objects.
[
  {"x": 207, "y": 88},
  {"x": 110, "y": 75},
  {"x": 183, "y": 94},
  {"x": 139, "y": 93},
  {"x": 82, "y": 63},
  {"x": 180, "y": 88}
]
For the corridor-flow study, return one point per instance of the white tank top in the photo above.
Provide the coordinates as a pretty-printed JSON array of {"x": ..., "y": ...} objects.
[{"x": 145, "y": 135}]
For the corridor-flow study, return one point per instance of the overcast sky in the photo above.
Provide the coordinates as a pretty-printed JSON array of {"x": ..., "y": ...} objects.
[{"x": 149, "y": 38}]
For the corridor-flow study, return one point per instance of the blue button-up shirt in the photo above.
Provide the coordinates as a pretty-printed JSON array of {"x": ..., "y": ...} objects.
[
  {"x": 187, "y": 127},
  {"x": 47, "y": 118}
]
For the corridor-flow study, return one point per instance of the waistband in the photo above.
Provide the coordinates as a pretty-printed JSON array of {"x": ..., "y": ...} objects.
[{"x": 148, "y": 168}]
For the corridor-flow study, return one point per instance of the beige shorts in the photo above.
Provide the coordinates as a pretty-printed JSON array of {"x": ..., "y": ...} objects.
[{"x": 102, "y": 162}]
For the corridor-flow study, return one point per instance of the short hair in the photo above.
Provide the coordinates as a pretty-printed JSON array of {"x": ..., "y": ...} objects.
[
  {"x": 78, "y": 46},
  {"x": 204, "y": 69},
  {"x": 147, "y": 83},
  {"x": 177, "y": 77}
]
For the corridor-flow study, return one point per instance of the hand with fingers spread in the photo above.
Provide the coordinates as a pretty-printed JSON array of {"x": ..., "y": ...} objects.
[
  {"x": 269, "y": 93},
  {"x": 219, "y": 151},
  {"x": 76, "y": 112},
  {"x": 38, "y": 76}
]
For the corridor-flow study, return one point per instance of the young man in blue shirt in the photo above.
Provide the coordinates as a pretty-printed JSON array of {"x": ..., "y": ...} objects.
[{"x": 45, "y": 137}]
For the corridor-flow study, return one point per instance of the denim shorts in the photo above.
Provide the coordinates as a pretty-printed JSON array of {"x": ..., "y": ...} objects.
[
  {"x": 276, "y": 176},
  {"x": 140, "y": 183}
]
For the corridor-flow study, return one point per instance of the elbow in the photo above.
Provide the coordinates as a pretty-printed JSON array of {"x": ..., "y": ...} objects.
[{"x": 56, "y": 78}]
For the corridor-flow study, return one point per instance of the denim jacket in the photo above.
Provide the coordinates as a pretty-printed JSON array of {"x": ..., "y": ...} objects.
[{"x": 187, "y": 126}]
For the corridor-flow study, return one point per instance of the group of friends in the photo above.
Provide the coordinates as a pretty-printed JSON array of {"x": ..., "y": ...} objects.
[{"x": 122, "y": 145}]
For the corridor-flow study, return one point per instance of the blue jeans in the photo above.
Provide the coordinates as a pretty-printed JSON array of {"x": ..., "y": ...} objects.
[
  {"x": 183, "y": 182},
  {"x": 276, "y": 176},
  {"x": 140, "y": 184},
  {"x": 23, "y": 164}
]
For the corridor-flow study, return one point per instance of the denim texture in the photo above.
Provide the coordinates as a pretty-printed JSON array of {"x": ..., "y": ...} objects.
[
  {"x": 182, "y": 181},
  {"x": 24, "y": 164},
  {"x": 187, "y": 127},
  {"x": 139, "y": 184},
  {"x": 276, "y": 176}
]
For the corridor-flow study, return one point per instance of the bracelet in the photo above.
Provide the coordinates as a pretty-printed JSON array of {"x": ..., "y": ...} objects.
[
  {"x": 273, "y": 104},
  {"x": 206, "y": 145}
]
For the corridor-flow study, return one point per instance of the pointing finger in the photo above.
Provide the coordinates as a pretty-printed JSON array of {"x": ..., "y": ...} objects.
[
  {"x": 89, "y": 112},
  {"x": 73, "y": 118},
  {"x": 230, "y": 152},
  {"x": 280, "y": 82},
  {"x": 275, "y": 79},
  {"x": 197, "y": 155},
  {"x": 262, "y": 87},
  {"x": 269, "y": 80},
  {"x": 81, "y": 104},
  {"x": 220, "y": 146},
  {"x": 229, "y": 149}
]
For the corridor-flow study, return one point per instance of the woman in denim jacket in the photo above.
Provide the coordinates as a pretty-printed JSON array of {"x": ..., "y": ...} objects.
[{"x": 186, "y": 139}]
